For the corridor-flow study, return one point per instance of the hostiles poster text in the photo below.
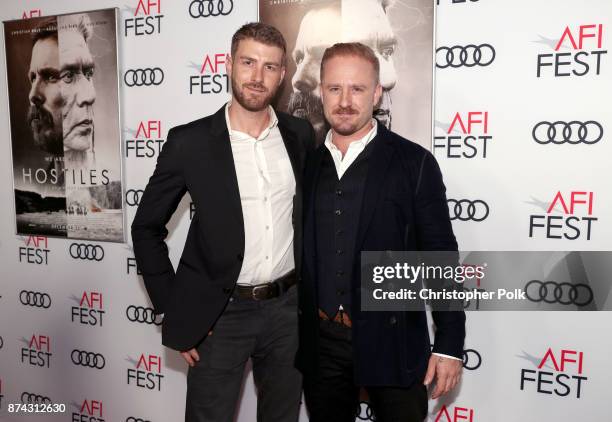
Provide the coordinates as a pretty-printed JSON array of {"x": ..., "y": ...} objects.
[
  {"x": 64, "y": 114},
  {"x": 399, "y": 32}
]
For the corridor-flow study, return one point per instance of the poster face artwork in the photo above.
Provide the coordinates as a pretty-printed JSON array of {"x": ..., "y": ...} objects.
[
  {"x": 65, "y": 130},
  {"x": 399, "y": 32}
]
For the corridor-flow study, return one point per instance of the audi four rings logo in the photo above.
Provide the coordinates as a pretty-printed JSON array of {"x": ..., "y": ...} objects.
[
  {"x": 37, "y": 299},
  {"x": 133, "y": 419},
  {"x": 85, "y": 251},
  {"x": 564, "y": 293},
  {"x": 469, "y": 56},
  {"x": 34, "y": 398},
  {"x": 364, "y": 412},
  {"x": 132, "y": 197},
  {"x": 90, "y": 359},
  {"x": 144, "y": 77},
  {"x": 206, "y": 8},
  {"x": 1, "y": 343},
  {"x": 574, "y": 132},
  {"x": 466, "y": 210},
  {"x": 142, "y": 315},
  {"x": 471, "y": 359}
]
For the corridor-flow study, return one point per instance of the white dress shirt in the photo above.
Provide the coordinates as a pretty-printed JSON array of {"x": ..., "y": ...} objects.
[
  {"x": 343, "y": 163},
  {"x": 355, "y": 148},
  {"x": 267, "y": 186}
]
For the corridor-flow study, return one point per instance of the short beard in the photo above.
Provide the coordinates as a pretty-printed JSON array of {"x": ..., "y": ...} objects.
[
  {"x": 238, "y": 93},
  {"x": 46, "y": 137}
]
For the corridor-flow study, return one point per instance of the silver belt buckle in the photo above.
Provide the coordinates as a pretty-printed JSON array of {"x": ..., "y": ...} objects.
[{"x": 255, "y": 288}]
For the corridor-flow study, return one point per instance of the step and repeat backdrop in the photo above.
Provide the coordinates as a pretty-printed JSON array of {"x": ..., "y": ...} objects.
[{"x": 520, "y": 129}]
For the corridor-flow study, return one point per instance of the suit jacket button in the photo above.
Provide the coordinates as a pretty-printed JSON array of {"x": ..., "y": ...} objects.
[
  {"x": 392, "y": 320},
  {"x": 227, "y": 290}
]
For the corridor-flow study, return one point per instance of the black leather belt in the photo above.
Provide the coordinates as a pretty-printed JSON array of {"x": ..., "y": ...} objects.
[{"x": 266, "y": 290}]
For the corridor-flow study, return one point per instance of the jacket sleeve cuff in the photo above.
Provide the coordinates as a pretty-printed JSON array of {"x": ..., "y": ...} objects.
[{"x": 447, "y": 356}]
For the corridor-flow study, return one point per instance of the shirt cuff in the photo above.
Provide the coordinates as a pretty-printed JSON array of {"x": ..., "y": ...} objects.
[{"x": 446, "y": 356}]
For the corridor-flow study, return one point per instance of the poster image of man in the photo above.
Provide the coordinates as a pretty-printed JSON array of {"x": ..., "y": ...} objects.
[
  {"x": 66, "y": 183},
  {"x": 44, "y": 115},
  {"x": 78, "y": 90},
  {"x": 399, "y": 33}
]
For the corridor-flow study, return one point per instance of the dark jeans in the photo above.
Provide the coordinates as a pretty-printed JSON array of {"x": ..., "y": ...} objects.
[
  {"x": 266, "y": 332},
  {"x": 331, "y": 393}
]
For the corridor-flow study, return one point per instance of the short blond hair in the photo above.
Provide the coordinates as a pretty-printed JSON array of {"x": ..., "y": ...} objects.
[{"x": 351, "y": 49}]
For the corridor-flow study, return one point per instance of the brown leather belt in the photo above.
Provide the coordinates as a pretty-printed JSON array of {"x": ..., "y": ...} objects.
[
  {"x": 341, "y": 318},
  {"x": 265, "y": 291}
]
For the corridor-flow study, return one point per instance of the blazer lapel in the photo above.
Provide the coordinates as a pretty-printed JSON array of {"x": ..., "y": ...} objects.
[
  {"x": 377, "y": 170},
  {"x": 223, "y": 163}
]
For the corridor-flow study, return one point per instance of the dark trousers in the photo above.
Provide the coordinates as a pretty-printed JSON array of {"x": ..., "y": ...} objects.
[
  {"x": 331, "y": 393},
  {"x": 266, "y": 332}
]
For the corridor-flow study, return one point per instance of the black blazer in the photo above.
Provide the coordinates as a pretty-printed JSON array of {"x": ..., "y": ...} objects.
[
  {"x": 404, "y": 208},
  {"x": 197, "y": 157}
]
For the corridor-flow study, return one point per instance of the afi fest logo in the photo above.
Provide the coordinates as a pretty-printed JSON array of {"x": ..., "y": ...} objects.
[
  {"x": 89, "y": 411},
  {"x": 147, "y": 372},
  {"x": 37, "y": 352},
  {"x": 212, "y": 75},
  {"x": 147, "y": 19},
  {"x": 559, "y": 372},
  {"x": 34, "y": 13},
  {"x": 90, "y": 310},
  {"x": 146, "y": 142},
  {"x": 576, "y": 221},
  {"x": 585, "y": 55},
  {"x": 455, "y": 414},
  {"x": 36, "y": 250},
  {"x": 466, "y": 137}
]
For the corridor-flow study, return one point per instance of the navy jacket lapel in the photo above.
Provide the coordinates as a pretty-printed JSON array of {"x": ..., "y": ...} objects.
[{"x": 377, "y": 170}]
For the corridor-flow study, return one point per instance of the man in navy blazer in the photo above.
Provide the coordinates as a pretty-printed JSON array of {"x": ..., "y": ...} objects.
[{"x": 368, "y": 189}]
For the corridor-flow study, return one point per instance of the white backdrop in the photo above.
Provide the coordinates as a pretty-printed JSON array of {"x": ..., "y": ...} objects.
[{"x": 517, "y": 178}]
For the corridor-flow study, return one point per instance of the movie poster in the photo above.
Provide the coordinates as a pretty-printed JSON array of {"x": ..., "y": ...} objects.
[
  {"x": 399, "y": 32},
  {"x": 64, "y": 119}
]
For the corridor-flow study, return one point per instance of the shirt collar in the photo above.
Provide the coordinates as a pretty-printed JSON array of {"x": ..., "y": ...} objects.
[
  {"x": 237, "y": 135},
  {"x": 363, "y": 142}
]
